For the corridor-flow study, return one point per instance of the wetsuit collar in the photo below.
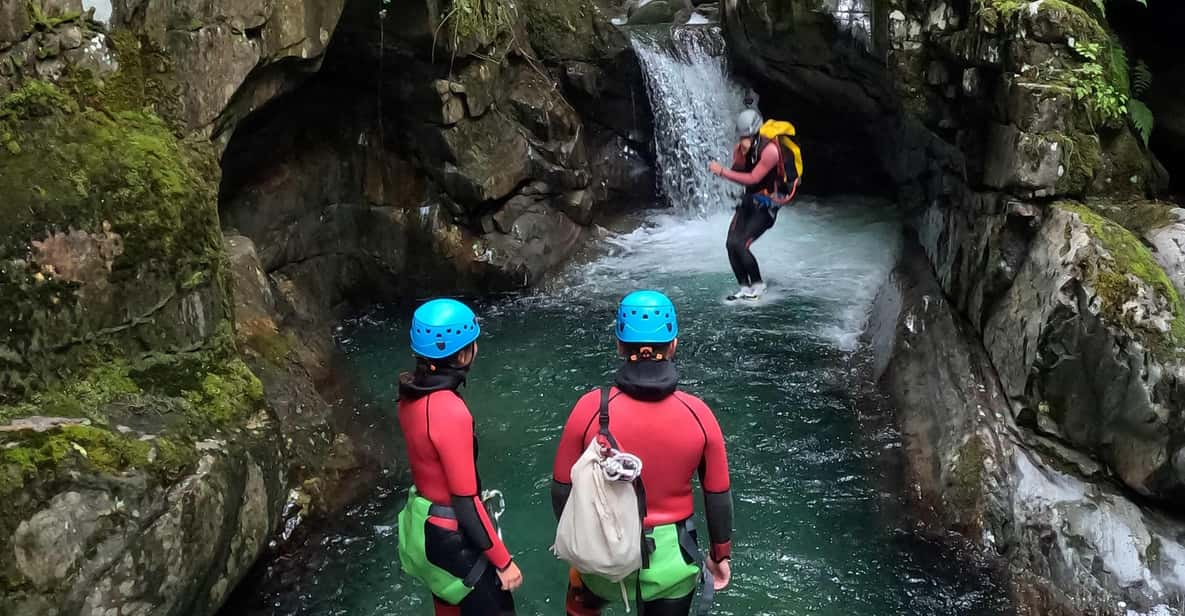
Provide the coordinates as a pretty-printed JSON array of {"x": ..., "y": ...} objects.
[
  {"x": 424, "y": 382},
  {"x": 649, "y": 381}
]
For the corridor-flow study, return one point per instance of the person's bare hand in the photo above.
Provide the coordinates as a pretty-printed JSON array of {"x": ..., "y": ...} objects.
[
  {"x": 721, "y": 573},
  {"x": 715, "y": 168},
  {"x": 510, "y": 577}
]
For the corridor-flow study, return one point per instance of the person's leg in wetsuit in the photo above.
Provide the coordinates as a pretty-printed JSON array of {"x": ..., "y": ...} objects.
[
  {"x": 748, "y": 223},
  {"x": 486, "y": 599},
  {"x": 582, "y": 602}
]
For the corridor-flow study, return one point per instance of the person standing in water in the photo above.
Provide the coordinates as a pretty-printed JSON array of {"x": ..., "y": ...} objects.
[
  {"x": 758, "y": 165},
  {"x": 676, "y": 436},
  {"x": 446, "y": 537}
]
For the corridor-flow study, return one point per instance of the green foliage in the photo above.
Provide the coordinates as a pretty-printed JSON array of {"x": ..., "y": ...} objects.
[
  {"x": 482, "y": 20},
  {"x": 1141, "y": 79},
  {"x": 66, "y": 165},
  {"x": 82, "y": 398},
  {"x": 225, "y": 395},
  {"x": 1097, "y": 87},
  {"x": 1141, "y": 119}
]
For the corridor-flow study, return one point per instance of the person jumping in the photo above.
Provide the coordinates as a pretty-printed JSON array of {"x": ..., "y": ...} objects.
[
  {"x": 759, "y": 164},
  {"x": 675, "y": 436}
]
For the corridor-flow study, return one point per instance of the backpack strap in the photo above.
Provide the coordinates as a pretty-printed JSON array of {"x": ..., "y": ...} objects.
[
  {"x": 639, "y": 487},
  {"x": 603, "y": 415}
]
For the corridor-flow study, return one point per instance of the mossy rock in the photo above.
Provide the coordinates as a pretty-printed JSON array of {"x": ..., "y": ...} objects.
[
  {"x": 1080, "y": 161},
  {"x": 106, "y": 217},
  {"x": 1129, "y": 257},
  {"x": 563, "y": 30},
  {"x": 1052, "y": 21}
]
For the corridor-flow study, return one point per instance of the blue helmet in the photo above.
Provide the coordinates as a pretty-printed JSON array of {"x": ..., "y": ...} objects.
[
  {"x": 646, "y": 316},
  {"x": 441, "y": 327}
]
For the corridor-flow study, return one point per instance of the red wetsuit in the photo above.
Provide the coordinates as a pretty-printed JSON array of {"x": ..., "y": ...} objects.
[
  {"x": 676, "y": 437},
  {"x": 442, "y": 449}
]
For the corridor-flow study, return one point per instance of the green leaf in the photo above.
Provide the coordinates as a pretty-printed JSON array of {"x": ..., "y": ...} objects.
[
  {"x": 1141, "y": 79},
  {"x": 1101, "y": 5},
  {"x": 1142, "y": 119},
  {"x": 1117, "y": 69}
]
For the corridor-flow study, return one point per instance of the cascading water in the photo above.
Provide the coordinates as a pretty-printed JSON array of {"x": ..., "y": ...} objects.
[
  {"x": 819, "y": 511},
  {"x": 694, "y": 103}
]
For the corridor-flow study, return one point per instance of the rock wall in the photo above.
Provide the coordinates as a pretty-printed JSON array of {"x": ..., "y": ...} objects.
[
  {"x": 1073, "y": 544},
  {"x": 1051, "y": 438},
  {"x": 151, "y": 428},
  {"x": 191, "y": 192},
  {"x": 430, "y": 154}
]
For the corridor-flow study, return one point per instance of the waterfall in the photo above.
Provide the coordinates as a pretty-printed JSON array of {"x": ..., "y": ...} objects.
[{"x": 694, "y": 102}]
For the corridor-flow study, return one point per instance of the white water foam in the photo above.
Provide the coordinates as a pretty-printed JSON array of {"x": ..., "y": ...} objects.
[
  {"x": 833, "y": 254},
  {"x": 694, "y": 101}
]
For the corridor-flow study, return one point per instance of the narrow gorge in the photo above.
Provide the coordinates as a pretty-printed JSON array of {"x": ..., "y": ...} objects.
[{"x": 963, "y": 395}]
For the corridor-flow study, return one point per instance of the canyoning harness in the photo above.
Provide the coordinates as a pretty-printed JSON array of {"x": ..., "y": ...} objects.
[
  {"x": 413, "y": 552},
  {"x": 666, "y": 541},
  {"x": 495, "y": 504}
]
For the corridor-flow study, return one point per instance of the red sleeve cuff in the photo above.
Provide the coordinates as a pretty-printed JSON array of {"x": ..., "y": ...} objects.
[
  {"x": 499, "y": 556},
  {"x": 721, "y": 551}
]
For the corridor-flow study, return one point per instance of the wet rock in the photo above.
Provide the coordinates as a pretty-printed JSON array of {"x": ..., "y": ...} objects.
[
  {"x": 1076, "y": 316},
  {"x": 48, "y": 546},
  {"x": 482, "y": 86},
  {"x": 1073, "y": 544},
  {"x": 652, "y": 12},
  {"x": 533, "y": 239},
  {"x": 1022, "y": 161},
  {"x": 14, "y": 21},
  {"x": 218, "y": 59},
  {"x": 1168, "y": 244},
  {"x": 42, "y": 424},
  {"x": 1039, "y": 107}
]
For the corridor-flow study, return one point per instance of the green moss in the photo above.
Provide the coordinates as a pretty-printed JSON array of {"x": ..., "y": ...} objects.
[
  {"x": 79, "y": 398},
  {"x": 271, "y": 346},
  {"x": 69, "y": 166},
  {"x": 41, "y": 21},
  {"x": 223, "y": 396},
  {"x": 85, "y": 447},
  {"x": 1081, "y": 158},
  {"x": 966, "y": 479},
  {"x": 1130, "y": 257}
]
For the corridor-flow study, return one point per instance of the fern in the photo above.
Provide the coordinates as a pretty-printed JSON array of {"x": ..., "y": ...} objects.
[
  {"x": 1101, "y": 5},
  {"x": 1117, "y": 66},
  {"x": 1141, "y": 79},
  {"x": 1141, "y": 118}
]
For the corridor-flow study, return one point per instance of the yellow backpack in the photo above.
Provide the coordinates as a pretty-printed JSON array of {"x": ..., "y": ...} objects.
[{"x": 781, "y": 132}]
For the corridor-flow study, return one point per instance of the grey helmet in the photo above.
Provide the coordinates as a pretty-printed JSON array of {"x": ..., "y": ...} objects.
[{"x": 749, "y": 123}]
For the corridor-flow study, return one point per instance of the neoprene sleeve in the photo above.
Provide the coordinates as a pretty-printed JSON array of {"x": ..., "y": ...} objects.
[{"x": 769, "y": 160}]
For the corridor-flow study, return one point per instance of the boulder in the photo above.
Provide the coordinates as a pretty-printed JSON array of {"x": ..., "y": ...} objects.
[
  {"x": 1024, "y": 162},
  {"x": 1090, "y": 305},
  {"x": 1074, "y": 542},
  {"x": 14, "y": 21},
  {"x": 1168, "y": 243},
  {"x": 530, "y": 240},
  {"x": 652, "y": 12}
]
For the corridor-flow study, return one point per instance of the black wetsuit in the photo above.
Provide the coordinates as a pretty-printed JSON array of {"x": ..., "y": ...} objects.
[{"x": 760, "y": 173}]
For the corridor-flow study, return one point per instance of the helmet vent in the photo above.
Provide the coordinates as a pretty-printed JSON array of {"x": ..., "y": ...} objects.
[
  {"x": 669, "y": 328},
  {"x": 440, "y": 345},
  {"x": 645, "y": 316}
]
